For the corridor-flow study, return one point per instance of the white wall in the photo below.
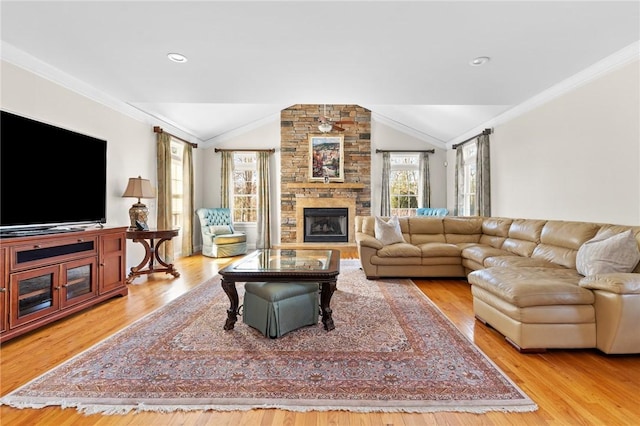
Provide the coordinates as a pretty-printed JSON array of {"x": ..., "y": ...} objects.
[
  {"x": 576, "y": 157},
  {"x": 131, "y": 144},
  {"x": 386, "y": 138}
]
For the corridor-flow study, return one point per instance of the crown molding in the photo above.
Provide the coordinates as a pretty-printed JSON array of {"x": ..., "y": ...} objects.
[
  {"x": 17, "y": 57},
  {"x": 595, "y": 71}
]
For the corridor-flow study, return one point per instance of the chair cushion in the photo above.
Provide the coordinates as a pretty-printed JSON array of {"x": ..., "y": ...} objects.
[{"x": 230, "y": 238}]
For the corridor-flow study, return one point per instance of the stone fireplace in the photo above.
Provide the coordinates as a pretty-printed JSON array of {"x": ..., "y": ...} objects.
[
  {"x": 298, "y": 122},
  {"x": 304, "y": 205}
]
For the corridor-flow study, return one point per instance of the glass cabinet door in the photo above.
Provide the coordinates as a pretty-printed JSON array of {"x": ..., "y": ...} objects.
[
  {"x": 79, "y": 281},
  {"x": 34, "y": 293}
]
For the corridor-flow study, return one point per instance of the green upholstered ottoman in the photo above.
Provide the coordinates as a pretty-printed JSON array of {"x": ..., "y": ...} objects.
[{"x": 278, "y": 308}]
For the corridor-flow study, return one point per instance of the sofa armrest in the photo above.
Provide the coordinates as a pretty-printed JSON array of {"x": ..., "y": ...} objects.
[
  {"x": 366, "y": 240},
  {"x": 618, "y": 283}
]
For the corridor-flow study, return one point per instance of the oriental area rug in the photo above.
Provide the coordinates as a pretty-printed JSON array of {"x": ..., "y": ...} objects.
[{"x": 392, "y": 351}]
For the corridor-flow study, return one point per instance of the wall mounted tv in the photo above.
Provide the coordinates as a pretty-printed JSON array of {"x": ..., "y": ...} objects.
[{"x": 49, "y": 176}]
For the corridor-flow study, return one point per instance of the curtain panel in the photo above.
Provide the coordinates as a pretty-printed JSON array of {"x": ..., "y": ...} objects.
[
  {"x": 226, "y": 168},
  {"x": 187, "y": 200},
  {"x": 424, "y": 190},
  {"x": 483, "y": 177},
  {"x": 264, "y": 203},
  {"x": 457, "y": 195},
  {"x": 164, "y": 192},
  {"x": 385, "y": 199}
]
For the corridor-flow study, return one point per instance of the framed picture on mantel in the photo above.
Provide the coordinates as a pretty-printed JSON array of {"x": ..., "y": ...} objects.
[{"x": 326, "y": 158}]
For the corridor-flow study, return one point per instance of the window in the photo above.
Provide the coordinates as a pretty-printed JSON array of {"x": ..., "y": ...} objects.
[
  {"x": 403, "y": 182},
  {"x": 244, "y": 197},
  {"x": 467, "y": 181}
]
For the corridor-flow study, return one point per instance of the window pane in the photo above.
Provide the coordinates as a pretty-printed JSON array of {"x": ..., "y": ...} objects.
[
  {"x": 404, "y": 184},
  {"x": 245, "y": 187}
]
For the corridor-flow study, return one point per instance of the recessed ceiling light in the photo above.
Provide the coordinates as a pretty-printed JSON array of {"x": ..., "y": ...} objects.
[
  {"x": 479, "y": 61},
  {"x": 177, "y": 57}
]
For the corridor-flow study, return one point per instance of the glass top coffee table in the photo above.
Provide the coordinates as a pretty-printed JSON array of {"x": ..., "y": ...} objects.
[{"x": 273, "y": 265}]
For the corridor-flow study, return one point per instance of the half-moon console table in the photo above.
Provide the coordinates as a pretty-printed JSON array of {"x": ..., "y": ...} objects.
[{"x": 152, "y": 254}]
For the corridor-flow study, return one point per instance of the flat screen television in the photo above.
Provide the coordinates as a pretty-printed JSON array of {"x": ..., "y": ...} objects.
[{"x": 49, "y": 176}]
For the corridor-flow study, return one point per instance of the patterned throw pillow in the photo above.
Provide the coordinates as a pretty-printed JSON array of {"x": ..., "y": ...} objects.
[
  {"x": 388, "y": 232},
  {"x": 608, "y": 254},
  {"x": 221, "y": 229}
]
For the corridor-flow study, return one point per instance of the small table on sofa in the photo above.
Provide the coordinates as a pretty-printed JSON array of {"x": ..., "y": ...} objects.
[{"x": 273, "y": 265}]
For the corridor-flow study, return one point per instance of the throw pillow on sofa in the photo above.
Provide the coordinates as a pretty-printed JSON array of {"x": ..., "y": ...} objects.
[
  {"x": 388, "y": 232},
  {"x": 607, "y": 254}
]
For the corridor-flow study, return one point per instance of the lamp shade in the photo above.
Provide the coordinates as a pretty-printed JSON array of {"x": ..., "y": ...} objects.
[{"x": 139, "y": 188}]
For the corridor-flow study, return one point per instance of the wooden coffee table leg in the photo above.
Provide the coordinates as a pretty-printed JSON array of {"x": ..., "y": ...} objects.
[
  {"x": 326, "y": 292},
  {"x": 229, "y": 288}
]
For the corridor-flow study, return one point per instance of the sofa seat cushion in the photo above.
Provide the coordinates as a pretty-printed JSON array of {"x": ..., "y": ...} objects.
[
  {"x": 439, "y": 250},
  {"x": 479, "y": 252},
  {"x": 520, "y": 262},
  {"x": 400, "y": 250},
  {"x": 543, "y": 314},
  {"x": 230, "y": 238},
  {"x": 525, "y": 287},
  {"x": 396, "y": 260}
]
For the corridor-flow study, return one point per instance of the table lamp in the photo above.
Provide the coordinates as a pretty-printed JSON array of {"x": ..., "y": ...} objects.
[{"x": 138, "y": 213}]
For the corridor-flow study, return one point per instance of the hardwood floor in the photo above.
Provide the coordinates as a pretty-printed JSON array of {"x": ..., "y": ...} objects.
[{"x": 571, "y": 387}]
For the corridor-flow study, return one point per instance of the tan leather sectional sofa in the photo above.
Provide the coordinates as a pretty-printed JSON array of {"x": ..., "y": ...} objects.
[{"x": 523, "y": 277}]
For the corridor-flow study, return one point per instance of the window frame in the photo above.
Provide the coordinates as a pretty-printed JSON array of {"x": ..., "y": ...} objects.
[
  {"x": 410, "y": 166},
  {"x": 239, "y": 167}
]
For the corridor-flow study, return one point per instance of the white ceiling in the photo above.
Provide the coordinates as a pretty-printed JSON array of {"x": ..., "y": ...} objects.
[{"x": 408, "y": 62}]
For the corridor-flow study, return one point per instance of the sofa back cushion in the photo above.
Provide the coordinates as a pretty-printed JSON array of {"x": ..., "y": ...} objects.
[
  {"x": 462, "y": 229},
  {"x": 426, "y": 229},
  {"x": 560, "y": 241},
  {"x": 366, "y": 225},
  {"x": 494, "y": 231},
  {"x": 524, "y": 236}
]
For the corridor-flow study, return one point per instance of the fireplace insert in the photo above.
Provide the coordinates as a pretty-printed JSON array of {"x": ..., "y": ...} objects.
[{"x": 327, "y": 224}]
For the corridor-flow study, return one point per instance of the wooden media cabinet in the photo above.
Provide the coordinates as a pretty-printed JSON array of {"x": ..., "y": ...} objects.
[{"x": 48, "y": 277}]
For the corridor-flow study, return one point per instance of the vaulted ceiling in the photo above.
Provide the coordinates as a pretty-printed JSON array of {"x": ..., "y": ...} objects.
[{"x": 408, "y": 62}]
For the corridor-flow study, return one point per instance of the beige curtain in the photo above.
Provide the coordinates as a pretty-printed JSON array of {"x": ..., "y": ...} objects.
[
  {"x": 483, "y": 177},
  {"x": 385, "y": 197},
  {"x": 187, "y": 200},
  {"x": 456, "y": 182},
  {"x": 264, "y": 204},
  {"x": 164, "y": 192},
  {"x": 226, "y": 169},
  {"x": 424, "y": 190}
]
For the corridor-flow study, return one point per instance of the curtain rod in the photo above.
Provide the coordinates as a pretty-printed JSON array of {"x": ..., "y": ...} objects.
[
  {"x": 271, "y": 151},
  {"x": 158, "y": 129},
  {"x": 430, "y": 151},
  {"x": 484, "y": 132}
]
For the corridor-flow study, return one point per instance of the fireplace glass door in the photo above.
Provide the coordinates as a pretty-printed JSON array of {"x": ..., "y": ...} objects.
[{"x": 326, "y": 224}]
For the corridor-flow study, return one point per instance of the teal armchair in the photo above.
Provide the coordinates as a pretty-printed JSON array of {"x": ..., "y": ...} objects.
[{"x": 219, "y": 238}]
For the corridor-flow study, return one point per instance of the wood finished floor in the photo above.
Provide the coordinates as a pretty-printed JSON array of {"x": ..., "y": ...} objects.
[{"x": 571, "y": 387}]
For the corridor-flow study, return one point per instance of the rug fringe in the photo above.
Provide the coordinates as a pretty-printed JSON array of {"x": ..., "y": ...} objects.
[{"x": 121, "y": 410}]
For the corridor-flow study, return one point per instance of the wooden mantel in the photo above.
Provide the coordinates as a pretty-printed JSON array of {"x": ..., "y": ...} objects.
[{"x": 337, "y": 185}]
